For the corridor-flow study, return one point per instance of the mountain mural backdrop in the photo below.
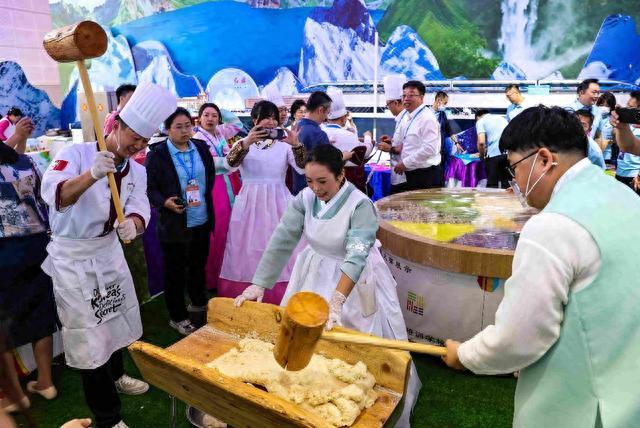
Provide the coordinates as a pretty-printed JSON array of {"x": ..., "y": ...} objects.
[{"x": 186, "y": 45}]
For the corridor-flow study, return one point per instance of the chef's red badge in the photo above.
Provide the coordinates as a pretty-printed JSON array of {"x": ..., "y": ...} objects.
[{"x": 59, "y": 165}]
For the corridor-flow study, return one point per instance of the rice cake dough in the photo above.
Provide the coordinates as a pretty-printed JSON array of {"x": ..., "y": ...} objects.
[{"x": 334, "y": 390}]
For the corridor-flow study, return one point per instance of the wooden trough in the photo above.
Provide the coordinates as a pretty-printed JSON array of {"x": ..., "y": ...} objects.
[{"x": 180, "y": 371}]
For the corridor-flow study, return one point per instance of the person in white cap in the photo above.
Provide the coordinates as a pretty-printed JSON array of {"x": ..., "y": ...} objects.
[
  {"x": 93, "y": 288},
  {"x": 393, "y": 96},
  {"x": 353, "y": 150},
  {"x": 271, "y": 93}
]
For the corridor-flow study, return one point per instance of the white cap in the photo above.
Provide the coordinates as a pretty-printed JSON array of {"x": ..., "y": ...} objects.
[
  {"x": 338, "y": 108},
  {"x": 393, "y": 86},
  {"x": 148, "y": 107},
  {"x": 271, "y": 93}
]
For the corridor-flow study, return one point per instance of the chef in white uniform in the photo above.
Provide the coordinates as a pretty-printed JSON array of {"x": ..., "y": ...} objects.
[
  {"x": 393, "y": 95},
  {"x": 346, "y": 140},
  {"x": 93, "y": 288}
]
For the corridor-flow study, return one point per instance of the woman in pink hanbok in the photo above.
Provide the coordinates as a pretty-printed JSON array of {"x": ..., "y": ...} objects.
[
  {"x": 212, "y": 131},
  {"x": 261, "y": 202}
]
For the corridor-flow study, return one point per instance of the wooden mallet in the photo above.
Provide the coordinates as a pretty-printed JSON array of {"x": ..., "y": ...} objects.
[
  {"x": 303, "y": 325},
  {"x": 78, "y": 42}
]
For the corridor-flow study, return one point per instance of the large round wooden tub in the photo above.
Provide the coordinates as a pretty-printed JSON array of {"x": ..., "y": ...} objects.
[{"x": 450, "y": 251}]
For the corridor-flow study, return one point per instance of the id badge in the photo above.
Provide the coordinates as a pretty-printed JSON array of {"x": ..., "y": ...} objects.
[{"x": 193, "y": 193}]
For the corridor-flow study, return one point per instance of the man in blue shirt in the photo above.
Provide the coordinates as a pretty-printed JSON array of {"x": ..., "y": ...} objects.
[
  {"x": 588, "y": 94},
  {"x": 309, "y": 132},
  {"x": 489, "y": 128},
  {"x": 517, "y": 106},
  {"x": 595, "y": 153}
]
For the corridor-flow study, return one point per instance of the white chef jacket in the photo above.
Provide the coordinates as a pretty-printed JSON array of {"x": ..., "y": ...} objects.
[
  {"x": 345, "y": 140},
  {"x": 92, "y": 216},
  {"x": 546, "y": 266},
  {"x": 419, "y": 134}
]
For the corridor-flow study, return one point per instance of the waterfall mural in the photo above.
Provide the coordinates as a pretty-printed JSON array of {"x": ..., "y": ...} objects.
[{"x": 297, "y": 43}]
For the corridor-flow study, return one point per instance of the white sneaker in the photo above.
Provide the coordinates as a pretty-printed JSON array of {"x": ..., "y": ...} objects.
[
  {"x": 183, "y": 327},
  {"x": 121, "y": 424},
  {"x": 130, "y": 386}
]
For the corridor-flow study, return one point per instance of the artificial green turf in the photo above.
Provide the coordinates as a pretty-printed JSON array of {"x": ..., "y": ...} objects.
[{"x": 447, "y": 398}]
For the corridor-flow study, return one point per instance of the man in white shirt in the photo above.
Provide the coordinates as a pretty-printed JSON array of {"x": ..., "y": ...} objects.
[
  {"x": 569, "y": 319},
  {"x": 517, "y": 106},
  {"x": 416, "y": 142},
  {"x": 489, "y": 128}
]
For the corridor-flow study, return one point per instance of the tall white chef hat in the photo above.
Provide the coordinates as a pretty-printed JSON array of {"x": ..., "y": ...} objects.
[
  {"x": 338, "y": 108},
  {"x": 393, "y": 86},
  {"x": 271, "y": 93},
  {"x": 148, "y": 107}
]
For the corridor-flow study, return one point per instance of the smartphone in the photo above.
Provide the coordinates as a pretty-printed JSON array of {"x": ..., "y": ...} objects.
[
  {"x": 629, "y": 115},
  {"x": 276, "y": 134},
  {"x": 181, "y": 202}
]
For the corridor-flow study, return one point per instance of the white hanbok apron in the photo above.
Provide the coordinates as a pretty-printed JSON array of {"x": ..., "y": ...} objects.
[
  {"x": 95, "y": 298},
  {"x": 372, "y": 307}
]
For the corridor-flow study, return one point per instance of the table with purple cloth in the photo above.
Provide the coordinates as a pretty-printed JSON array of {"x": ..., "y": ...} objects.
[
  {"x": 464, "y": 170},
  {"x": 378, "y": 180}
]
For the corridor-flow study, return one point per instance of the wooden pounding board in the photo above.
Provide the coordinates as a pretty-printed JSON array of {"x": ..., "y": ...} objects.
[{"x": 180, "y": 371}]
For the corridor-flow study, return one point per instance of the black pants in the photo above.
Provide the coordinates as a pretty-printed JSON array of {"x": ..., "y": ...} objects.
[
  {"x": 628, "y": 181},
  {"x": 100, "y": 390},
  {"x": 497, "y": 173},
  {"x": 422, "y": 178},
  {"x": 184, "y": 264}
]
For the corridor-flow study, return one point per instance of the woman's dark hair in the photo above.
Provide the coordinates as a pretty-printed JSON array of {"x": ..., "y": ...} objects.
[
  {"x": 329, "y": 156},
  {"x": 555, "y": 128},
  {"x": 607, "y": 99},
  {"x": 205, "y": 106},
  {"x": 265, "y": 110},
  {"x": 180, "y": 111},
  {"x": 14, "y": 111},
  {"x": 8, "y": 155},
  {"x": 295, "y": 107}
]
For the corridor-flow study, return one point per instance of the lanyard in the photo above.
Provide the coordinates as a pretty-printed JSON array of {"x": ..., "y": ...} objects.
[
  {"x": 411, "y": 122},
  {"x": 333, "y": 125},
  {"x": 192, "y": 175}
]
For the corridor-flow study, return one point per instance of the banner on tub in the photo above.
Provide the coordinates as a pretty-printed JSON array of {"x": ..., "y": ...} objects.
[{"x": 439, "y": 305}]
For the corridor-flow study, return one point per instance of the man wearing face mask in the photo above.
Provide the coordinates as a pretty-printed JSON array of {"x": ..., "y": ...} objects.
[
  {"x": 515, "y": 97},
  {"x": 574, "y": 282},
  {"x": 93, "y": 288}
]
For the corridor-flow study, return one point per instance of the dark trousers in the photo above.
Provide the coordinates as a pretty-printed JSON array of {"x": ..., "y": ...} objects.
[
  {"x": 422, "y": 178},
  {"x": 628, "y": 181},
  {"x": 497, "y": 173},
  {"x": 101, "y": 393},
  {"x": 184, "y": 264}
]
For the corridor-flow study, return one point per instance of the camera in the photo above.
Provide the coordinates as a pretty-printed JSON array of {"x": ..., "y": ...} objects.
[
  {"x": 276, "y": 133},
  {"x": 629, "y": 115},
  {"x": 181, "y": 202}
]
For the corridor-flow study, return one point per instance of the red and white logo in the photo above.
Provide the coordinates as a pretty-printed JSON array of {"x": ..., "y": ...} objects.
[{"x": 59, "y": 165}]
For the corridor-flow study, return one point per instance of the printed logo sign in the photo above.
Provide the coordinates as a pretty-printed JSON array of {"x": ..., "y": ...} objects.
[{"x": 415, "y": 303}]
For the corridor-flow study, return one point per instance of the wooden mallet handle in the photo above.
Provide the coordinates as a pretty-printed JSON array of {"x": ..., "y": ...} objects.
[
  {"x": 77, "y": 42},
  {"x": 420, "y": 348}
]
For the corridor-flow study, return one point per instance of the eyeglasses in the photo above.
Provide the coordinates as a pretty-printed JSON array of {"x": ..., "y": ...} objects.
[
  {"x": 512, "y": 168},
  {"x": 409, "y": 96}
]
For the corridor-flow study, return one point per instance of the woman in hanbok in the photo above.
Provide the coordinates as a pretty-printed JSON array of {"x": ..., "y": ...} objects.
[
  {"x": 212, "y": 131},
  {"x": 342, "y": 262},
  {"x": 261, "y": 202}
]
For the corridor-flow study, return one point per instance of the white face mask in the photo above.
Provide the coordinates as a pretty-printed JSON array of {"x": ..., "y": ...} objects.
[
  {"x": 604, "y": 110},
  {"x": 442, "y": 108}
]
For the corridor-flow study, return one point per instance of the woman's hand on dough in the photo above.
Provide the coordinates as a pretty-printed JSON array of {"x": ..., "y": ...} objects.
[{"x": 252, "y": 292}]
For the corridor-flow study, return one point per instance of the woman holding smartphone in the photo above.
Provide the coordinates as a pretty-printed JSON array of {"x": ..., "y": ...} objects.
[{"x": 263, "y": 164}]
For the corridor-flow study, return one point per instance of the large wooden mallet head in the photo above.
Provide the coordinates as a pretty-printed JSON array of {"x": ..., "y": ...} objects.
[
  {"x": 302, "y": 325},
  {"x": 76, "y": 42}
]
